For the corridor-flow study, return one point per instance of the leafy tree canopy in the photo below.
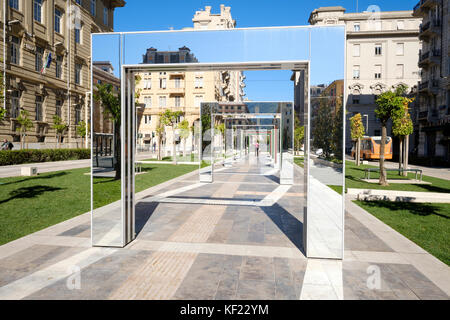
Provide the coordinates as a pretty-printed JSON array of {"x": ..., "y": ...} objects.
[{"x": 356, "y": 127}]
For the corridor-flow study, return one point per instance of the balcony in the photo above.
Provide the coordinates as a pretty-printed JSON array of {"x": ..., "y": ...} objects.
[
  {"x": 429, "y": 58},
  {"x": 429, "y": 87},
  {"x": 424, "y": 6},
  {"x": 423, "y": 116},
  {"x": 430, "y": 28}
]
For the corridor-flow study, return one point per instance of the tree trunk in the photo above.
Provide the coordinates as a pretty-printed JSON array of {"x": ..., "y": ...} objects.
[
  {"x": 400, "y": 156},
  {"x": 159, "y": 149},
  {"x": 358, "y": 152},
  {"x": 383, "y": 178},
  {"x": 174, "y": 148},
  {"x": 117, "y": 153},
  {"x": 406, "y": 156},
  {"x": 184, "y": 147}
]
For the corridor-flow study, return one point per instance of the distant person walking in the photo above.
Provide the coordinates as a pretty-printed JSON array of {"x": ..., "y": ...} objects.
[{"x": 257, "y": 148}]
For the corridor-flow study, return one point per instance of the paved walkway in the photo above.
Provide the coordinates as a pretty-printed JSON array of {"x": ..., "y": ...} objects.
[{"x": 191, "y": 248}]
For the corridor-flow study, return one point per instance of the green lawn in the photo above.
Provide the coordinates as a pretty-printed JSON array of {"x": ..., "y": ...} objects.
[
  {"x": 31, "y": 204},
  {"x": 427, "y": 225},
  {"x": 354, "y": 175}
]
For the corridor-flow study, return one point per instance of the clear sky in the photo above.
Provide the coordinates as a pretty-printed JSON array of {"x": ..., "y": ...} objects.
[{"x": 144, "y": 15}]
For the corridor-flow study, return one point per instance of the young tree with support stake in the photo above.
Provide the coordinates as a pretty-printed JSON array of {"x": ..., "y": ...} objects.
[
  {"x": 159, "y": 134},
  {"x": 184, "y": 133},
  {"x": 403, "y": 128},
  {"x": 169, "y": 118},
  {"x": 110, "y": 100},
  {"x": 24, "y": 125},
  {"x": 357, "y": 132},
  {"x": 82, "y": 128},
  {"x": 389, "y": 104},
  {"x": 60, "y": 128}
]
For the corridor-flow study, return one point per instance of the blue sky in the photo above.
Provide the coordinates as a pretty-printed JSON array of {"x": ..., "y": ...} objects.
[{"x": 140, "y": 15}]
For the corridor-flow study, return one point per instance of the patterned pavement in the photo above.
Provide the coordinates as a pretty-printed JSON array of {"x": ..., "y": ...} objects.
[{"x": 222, "y": 250}]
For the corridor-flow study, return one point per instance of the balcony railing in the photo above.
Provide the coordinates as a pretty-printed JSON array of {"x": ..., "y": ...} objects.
[
  {"x": 425, "y": 27},
  {"x": 423, "y": 85}
]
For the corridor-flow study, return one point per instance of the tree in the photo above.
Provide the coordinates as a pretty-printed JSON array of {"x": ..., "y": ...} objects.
[
  {"x": 169, "y": 118},
  {"x": 159, "y": 135},
  {"x": 184, "y": 133},
  {"x": 81, "y": 129},
  {"x": 299, "y": 136},
  {"x": 111, "y": 103},
  {"x": 60, "y": 128},
  {"x": 322, "y": 127},
  {"x": 357, "y": 132},
  {"x": 24, "y": 125},
  {"x": 389, "y": 104}
]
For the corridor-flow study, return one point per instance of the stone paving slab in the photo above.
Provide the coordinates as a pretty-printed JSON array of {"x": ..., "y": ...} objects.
[{"x": 199, "y": 251}]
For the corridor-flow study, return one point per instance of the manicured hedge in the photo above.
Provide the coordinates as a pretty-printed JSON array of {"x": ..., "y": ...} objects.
[{"x": 13, "y": 157}]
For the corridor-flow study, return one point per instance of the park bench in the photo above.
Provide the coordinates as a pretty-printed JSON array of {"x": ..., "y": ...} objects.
[{"x": 416, "y": 171}]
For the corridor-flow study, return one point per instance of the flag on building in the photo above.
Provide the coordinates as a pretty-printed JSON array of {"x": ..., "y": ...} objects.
[{"x": 48, "y": 63}]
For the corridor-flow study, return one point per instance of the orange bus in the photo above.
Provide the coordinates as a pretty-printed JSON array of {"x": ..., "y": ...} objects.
[{"x": 370, "y": 148}]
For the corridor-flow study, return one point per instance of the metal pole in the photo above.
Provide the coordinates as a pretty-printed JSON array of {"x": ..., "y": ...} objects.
[{"x": 4, "y": 54}]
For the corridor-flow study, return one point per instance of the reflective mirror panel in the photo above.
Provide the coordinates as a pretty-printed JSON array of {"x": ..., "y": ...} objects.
[
  {"x": 326, "y": 113},
  {"x": 180, "y": 112},
  {"x": 107, "y": 227}
]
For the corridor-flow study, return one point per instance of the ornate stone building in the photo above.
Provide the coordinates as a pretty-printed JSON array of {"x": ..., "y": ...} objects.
[{"x": 48, "y": 64}]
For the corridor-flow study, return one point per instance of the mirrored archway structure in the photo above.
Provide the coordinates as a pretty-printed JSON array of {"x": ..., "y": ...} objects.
[{"x": 261, "y": 137}]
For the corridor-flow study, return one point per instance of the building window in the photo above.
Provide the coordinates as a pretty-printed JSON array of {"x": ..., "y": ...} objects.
[
  {"x": 58, "y": 66},
  {"x": 148, "y": 119},
  {"x": 93, "y": 7},
  {"x": 38, "y": 108},
  {"x": 198, "y": 101},
  {"x": 356, "y": 50},
  {"x": 38, "y": 59},
  {"x": 15, "y": 50},
  {"x": 199, "y": 82},
  {"x": 77, "y": 115},
  {"x": 400, "y": 49},
  {"x": 37, "y": 10},
  {"x": 378, "y": 49},
  {"x": 162, "y": 102},
  {"x": 356, "y": 72},
  {"x": 105, "y": 16},
  {"x": 148, "y": 102},
  {"x": 177, "y": 101},
  {"x": 400, "y": 70},
  {"x": 378, "y": 25},
  {"x": 15, "y": 104},
  {"x": 58, "y": 109},
  {"x": 78, "y": 68},
  {"x": 378, "y": 71},
  {"x": 14, "y": 4},
  {"x": 162, "y": 83},
  {"x": 400, "y": 25},
  {"x": 177, "y": 83},
  {"x": 77, "y": 35},
  {"x": 148, "y": 84},
  {"x": 356, "y": 26},
  {"x": 58, "y": 16}
]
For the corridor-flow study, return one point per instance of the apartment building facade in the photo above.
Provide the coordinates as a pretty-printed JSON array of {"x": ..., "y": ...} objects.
[
  {"x": 432, "y": 115},
  {"x": 382, "y": 53},
  {"x": 183, "y": 91},
  {"x": 48, "y": 47}
]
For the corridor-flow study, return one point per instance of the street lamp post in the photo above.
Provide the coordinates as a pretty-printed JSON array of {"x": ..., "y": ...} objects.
[{"x": 367, "y": 123}]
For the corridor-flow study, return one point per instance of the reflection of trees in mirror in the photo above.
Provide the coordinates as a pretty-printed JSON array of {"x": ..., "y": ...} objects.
[
  {"x": 357, "y": 132},
  {"x": 184, "y": 133},
  {"x": 110, "y": 100},
  {"x": 169, "y": 119}
]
